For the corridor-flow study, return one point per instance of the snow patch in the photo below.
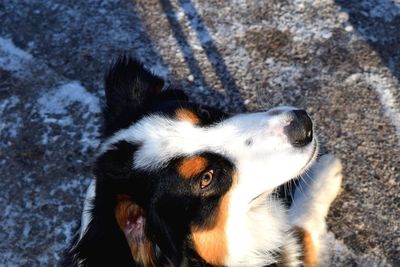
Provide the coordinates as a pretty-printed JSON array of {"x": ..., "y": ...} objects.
[
  {"x": 56, "y": 101},
  {"x": 12, "y": 58},
  {"x": 54, "y": 108},
  {"x": 383, "y": 86}
]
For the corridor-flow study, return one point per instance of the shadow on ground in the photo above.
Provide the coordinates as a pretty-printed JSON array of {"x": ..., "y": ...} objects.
[
  {"x": 207, "y": 43},
  {"x": 377, "y": 22}
]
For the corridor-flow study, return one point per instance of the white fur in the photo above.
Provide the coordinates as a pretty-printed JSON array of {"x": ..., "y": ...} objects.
[
  {"x": 255, "y": 234},
  {"x": 313, "y": 198},
  {"x": 87, "y": 207},
  {"x": 253, "y": 230}
]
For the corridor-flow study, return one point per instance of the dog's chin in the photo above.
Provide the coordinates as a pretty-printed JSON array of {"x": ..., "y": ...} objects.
[
  {"x": 259, "y": 199},
  {"x": 310, "y": 161}
]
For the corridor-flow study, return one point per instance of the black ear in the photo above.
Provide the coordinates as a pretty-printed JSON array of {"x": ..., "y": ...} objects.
[
  {"x": 173, "y": 95},
  {"x": 128, "y": 88},
  {"x": 132, "y": 222},
  {"x": 116, "y": 234},
  {"x": 103, "y": 244}
]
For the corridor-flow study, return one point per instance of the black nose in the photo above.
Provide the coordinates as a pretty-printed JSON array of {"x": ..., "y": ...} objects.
[{"x": 300, "y": 129}]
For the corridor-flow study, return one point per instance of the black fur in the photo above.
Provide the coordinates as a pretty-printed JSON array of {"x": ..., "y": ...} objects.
[
  {"x": 171, "y": 204},
  {"x": 128, "y": 89}
]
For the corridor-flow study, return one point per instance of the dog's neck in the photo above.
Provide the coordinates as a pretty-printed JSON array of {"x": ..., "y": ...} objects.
[{"x": 257, "y": 236}]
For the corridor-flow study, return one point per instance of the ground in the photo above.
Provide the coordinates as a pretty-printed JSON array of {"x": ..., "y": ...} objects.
[{"x": 340, "y": 60}]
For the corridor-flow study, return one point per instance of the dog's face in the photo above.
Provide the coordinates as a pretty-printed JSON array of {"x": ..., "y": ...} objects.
[{"x": 177, "y": 177}]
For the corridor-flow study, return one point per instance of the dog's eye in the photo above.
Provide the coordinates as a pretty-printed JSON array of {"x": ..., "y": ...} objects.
[
  {"x": 206, "y": 179},
  {"x": 204, "y": 113}
]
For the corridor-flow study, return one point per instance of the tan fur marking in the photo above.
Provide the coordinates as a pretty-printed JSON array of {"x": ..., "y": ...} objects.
[
  {"x": 309, "y": 251},
  {"x": 211, "y": 243},
  {"x": 187, "y": 115},
  {"x": 141, "y": 248},
  {"x": 190, "y": 167}
]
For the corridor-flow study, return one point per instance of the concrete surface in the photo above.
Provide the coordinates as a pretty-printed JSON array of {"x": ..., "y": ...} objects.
[{"x": 338, "y": 59}]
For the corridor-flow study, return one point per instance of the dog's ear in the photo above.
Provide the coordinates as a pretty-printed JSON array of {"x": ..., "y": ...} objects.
[
  {"x": 173, "y": 95},
  {"x": 117, "y": 182},
  {"x": 115, "y": 237},
  {"x": 128, "y": 87},
  {"x": 132, "y": 222},
  {"x": 116, "y": 234},
  {"x": 128, "y": 83}
]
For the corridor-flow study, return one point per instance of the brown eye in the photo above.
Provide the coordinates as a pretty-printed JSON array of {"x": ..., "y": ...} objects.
[
  {"x": 204, "y": 113},
  {"x": 206, "y": 179}
]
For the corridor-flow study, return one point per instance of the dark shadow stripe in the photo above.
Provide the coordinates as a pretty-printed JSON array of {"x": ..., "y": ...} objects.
[
  {"x": 214, "y": 57},
  {"x": 382, "y": 33},
  {"x": 220, "y": 68}
]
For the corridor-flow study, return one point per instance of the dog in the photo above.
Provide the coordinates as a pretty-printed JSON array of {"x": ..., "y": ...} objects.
[{"x": 183, "y": 184}]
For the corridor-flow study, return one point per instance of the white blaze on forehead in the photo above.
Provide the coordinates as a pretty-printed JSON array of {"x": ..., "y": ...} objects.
[{"x": 161, "y": 138}]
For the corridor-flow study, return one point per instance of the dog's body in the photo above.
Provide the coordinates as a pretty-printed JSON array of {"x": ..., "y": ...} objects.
[{"x": 180, "y": 184}]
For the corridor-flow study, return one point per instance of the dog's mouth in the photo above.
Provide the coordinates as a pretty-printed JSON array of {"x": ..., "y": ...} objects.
[
  {"x": 310, "y": 161},
  {"x": 261, "y": 197}
]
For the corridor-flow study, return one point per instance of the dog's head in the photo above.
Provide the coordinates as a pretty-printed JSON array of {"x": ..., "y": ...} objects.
[{"x": 175, "y": 179}]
